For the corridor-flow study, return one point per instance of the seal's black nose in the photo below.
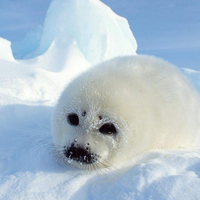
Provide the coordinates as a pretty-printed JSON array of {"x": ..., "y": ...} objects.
[{"x": 79, "y": 154}]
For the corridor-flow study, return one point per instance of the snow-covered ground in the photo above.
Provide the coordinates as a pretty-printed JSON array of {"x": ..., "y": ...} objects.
[{"x": 76, "y": 35}]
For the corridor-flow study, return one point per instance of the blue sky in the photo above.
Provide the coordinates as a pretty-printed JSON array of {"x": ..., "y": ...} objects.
[{"x": 168, "y": 29}]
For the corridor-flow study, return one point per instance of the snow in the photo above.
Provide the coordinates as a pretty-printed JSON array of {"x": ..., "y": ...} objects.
[
  {"x": 5, "y": 50},
  {"x": 91, "y": 24},
  {"x": 29, "y": 88}
]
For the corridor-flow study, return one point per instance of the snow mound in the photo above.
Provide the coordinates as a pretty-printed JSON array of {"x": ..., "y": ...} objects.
[
  {"x": 76, "y": 35},
  {"x": 97, "y": 31},
  {"x": 33, "y": 82},
  {"x": 5, "y": 50}
]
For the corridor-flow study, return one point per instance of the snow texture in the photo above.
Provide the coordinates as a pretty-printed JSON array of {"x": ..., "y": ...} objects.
[{"x": 28, "y": 92}]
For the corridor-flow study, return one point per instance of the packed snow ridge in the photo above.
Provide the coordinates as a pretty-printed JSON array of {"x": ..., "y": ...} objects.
[{"x": 76, "y": 34}]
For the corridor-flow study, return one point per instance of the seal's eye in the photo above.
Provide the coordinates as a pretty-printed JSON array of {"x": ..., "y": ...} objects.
[
  {"x": 108, "y": 129},
  {"x": 73, "y": 119}
]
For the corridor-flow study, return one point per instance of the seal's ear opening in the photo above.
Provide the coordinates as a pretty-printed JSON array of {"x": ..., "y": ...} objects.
[{"x": 108, "y": 129}]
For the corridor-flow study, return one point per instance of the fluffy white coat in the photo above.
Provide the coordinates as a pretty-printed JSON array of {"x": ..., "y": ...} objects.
[{"x": 150, "y": 102}]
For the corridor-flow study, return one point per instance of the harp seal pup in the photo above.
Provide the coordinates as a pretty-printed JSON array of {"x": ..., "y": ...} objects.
[{"x": 123, "y": 107}]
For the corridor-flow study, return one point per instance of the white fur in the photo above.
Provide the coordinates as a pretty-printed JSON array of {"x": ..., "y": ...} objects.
[{"x": 149, "y": 100}]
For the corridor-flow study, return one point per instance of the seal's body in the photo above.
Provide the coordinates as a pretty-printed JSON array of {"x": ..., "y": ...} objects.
[{"x": 124, "y": 107}]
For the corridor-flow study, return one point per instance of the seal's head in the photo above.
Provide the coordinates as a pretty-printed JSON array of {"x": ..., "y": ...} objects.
[
  {"x": 87, "y": 130},
  {"x": 121, "y": 108},
  {"x": 86, "y": 127},
  {"x": 88, "y": 122}
]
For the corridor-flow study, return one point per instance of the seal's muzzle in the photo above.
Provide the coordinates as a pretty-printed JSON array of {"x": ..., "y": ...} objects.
[{"x": 80, "y": 154}]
